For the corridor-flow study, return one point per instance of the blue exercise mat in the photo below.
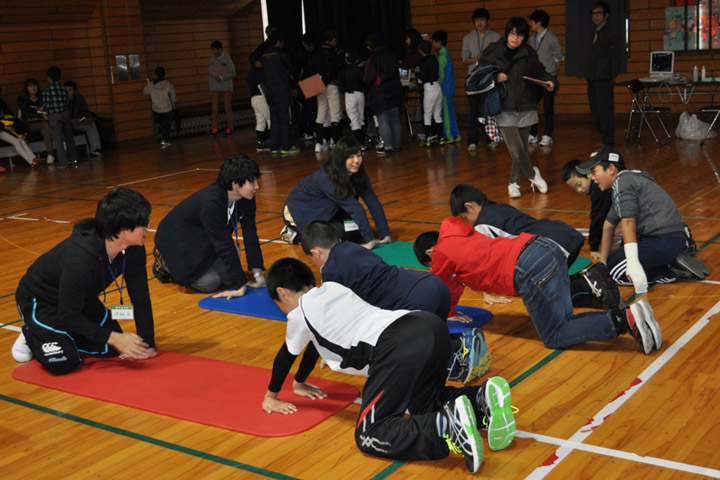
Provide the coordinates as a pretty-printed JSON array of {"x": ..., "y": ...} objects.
[
  {"x": 480, "y": 316},
  {"x": 257, "y": 303}
]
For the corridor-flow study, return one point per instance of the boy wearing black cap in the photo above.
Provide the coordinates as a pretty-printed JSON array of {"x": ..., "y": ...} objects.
[
  {"x": 652, "y": 227},
  {"x": 428, "y": 75}
]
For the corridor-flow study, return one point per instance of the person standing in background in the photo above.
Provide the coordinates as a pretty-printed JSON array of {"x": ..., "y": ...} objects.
[
  {"x": 222, "y": 72},
  {"x": 472, "y": 46},
  {"x": 164, "y": 101},
  {"x": 549, "y": 52},
  {"x": 57, "y": 105},
  {"x": 602, "y": 65}
]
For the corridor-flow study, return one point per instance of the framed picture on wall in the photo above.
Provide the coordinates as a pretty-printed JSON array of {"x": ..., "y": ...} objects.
[{"x": 692, "y": 25}]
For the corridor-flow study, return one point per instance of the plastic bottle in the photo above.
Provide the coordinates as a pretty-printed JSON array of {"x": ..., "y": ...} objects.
[
  {"x": 695, "y": 73},
  {"x": 702, "y": 75}
]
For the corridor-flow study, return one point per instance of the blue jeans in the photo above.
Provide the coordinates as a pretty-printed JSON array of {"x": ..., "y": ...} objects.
[
  {"x": 389, "y": 126},
  {"x": 541, "y": 280},
  {"x": 655, "y": 252}
]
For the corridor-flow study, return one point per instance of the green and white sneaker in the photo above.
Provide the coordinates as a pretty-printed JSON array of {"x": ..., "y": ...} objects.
[
  {"x": 461, "y": 431},
  {"x": 493, "y": 398}
]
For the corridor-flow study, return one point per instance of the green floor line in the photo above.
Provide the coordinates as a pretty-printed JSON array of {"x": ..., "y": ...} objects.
[{"x": 153, "y": 441}]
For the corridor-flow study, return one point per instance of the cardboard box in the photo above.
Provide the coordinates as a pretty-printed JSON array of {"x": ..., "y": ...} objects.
[{"x": 312, "y": 86}]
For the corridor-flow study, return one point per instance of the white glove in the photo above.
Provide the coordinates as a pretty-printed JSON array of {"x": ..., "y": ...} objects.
[{"x": 634, "y": 270}]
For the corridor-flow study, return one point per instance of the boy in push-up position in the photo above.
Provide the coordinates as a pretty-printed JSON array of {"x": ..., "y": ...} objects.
[
  {"x": 534, "y": 268},
  {"x": 394, "y": 288},
  {"x": 404, "y": 355}
]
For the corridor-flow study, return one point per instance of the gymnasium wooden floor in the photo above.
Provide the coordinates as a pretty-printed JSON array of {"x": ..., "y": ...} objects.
[{"x": 595, "y": 411}]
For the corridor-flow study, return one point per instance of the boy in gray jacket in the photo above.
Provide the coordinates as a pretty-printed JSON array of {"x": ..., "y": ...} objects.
[
  {"x": 652, "y": 227},
  {"x": 549, "y": 52},
  {"x": 221, "y": 71}
]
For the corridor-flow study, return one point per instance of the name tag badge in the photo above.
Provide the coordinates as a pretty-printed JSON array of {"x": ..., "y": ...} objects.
[
  {"x": 351, "y": 226},
  {"x": 122, "y": 312}
]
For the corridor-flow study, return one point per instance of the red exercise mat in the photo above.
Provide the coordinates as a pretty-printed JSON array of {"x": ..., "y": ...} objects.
[{"x": 221, "y": 394}]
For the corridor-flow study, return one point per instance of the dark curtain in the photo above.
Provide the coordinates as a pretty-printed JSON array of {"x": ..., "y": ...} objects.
[
  {"x": 286, "y": 16},
  {"x": 354, "y": 20},
  {"x": 579, "y": 32}
]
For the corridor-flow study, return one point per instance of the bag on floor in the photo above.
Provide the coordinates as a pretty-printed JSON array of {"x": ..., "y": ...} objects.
[{"x": 692, "y": 128}]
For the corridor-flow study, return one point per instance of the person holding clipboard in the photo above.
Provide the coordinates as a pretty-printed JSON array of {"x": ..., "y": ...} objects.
[
  {"x": 221, "y": 71},
  {"x": 520, "y": 72}
]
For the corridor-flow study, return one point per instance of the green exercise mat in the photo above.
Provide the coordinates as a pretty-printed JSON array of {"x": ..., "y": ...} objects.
[
  {"x": 580, "y": 263},
  {"x": 398, "y": 253}
]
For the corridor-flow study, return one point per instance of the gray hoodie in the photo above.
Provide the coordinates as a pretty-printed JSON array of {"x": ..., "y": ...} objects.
[
  {"x": 226, "y": 84},
  {"x": 636, "y": 195},
  {"x": 162, "y": 95}
]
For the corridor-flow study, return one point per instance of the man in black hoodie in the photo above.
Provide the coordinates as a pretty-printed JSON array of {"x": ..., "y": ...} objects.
[
  {"x": 277, "y": 72},
  {"x": 58, "y": 296}
]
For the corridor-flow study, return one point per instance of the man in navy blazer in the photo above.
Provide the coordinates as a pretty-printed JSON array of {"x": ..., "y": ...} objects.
[{"x": 194, "y": 242}]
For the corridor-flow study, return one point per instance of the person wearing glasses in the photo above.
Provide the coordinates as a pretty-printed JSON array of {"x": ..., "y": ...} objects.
[{"x": 602, "y": 65}]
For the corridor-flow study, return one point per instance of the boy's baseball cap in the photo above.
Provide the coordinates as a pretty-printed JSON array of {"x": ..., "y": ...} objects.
[
  {"x": 604, "y": 154},
  {"x": 425, "y": 46}
]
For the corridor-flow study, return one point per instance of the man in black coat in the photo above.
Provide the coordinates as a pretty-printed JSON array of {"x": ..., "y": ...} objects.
[
  {"x": 277, "y": 71},
  {"x": 602, "y": 65},
  {"x": 194, "y": 245}
]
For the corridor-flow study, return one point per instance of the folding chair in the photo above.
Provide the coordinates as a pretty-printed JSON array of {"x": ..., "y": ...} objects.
[
  {"x": 642, "y": 106},
  {"x": 710, "y": 109}
]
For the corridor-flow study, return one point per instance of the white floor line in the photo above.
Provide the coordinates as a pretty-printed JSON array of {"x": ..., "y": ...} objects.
[
  {"x": 12, "y": 327},
  {"x": 21, "y": 216},
  {"x": 714, "y": 282},
  {"x": 567, "y": 446},
  {"x": 164, "y": 176},
  {"x": 610, "y": 452}
]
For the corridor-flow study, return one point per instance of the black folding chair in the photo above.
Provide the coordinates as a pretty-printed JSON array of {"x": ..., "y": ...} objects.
[{"x": 641, "y": 108}]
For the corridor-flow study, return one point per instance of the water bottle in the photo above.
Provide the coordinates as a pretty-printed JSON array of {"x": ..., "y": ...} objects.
[
  {"x": 703, "y": 77},
  {"x": 695, "y": 73}
]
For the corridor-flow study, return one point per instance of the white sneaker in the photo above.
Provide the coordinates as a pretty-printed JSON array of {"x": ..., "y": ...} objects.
[
  {"x": 472, "y": 147},
  {"x": 533, "y": 139},
  {"x": 288, "y": 235},
  {"x": 514, "y": 190},
  {"x": 546, "y": 141},
  {"x": 20, "y": 350},
  {"x": 50, "y": 159},
  {"x": 318, "y": 147},
  {"x": 537, "y": 181},
  {"x": 164, "y": 144},
  {"x": 330, "y": 145}
]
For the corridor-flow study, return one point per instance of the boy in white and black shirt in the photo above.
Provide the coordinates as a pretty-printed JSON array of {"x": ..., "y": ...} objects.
[{"x": 404, "y": 354}]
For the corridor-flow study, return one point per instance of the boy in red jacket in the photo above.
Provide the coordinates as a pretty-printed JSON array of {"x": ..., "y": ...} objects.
[{"x": 534, "y": 268}]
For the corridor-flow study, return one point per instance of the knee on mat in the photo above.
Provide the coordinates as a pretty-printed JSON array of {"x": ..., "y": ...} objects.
[{"x": 62, "y": 368}]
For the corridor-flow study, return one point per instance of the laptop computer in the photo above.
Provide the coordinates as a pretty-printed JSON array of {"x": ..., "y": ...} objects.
[{"x": 662, "y": 66}]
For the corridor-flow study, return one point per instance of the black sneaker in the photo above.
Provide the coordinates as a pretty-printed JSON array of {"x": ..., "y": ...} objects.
[
  {"x": 461, "y": 432},
  {"x": 262, "y": 147},
  {"x": 642, "y": 325},
  {"x": 159, "y": 269},
  {"x": 689, "y": 269},
  {"x": 605, "y": 293}
]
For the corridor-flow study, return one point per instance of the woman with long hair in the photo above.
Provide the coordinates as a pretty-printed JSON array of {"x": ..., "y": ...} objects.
[
  {"x": 332, "y": 194},
  {"x": 34, "y": 116}
]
